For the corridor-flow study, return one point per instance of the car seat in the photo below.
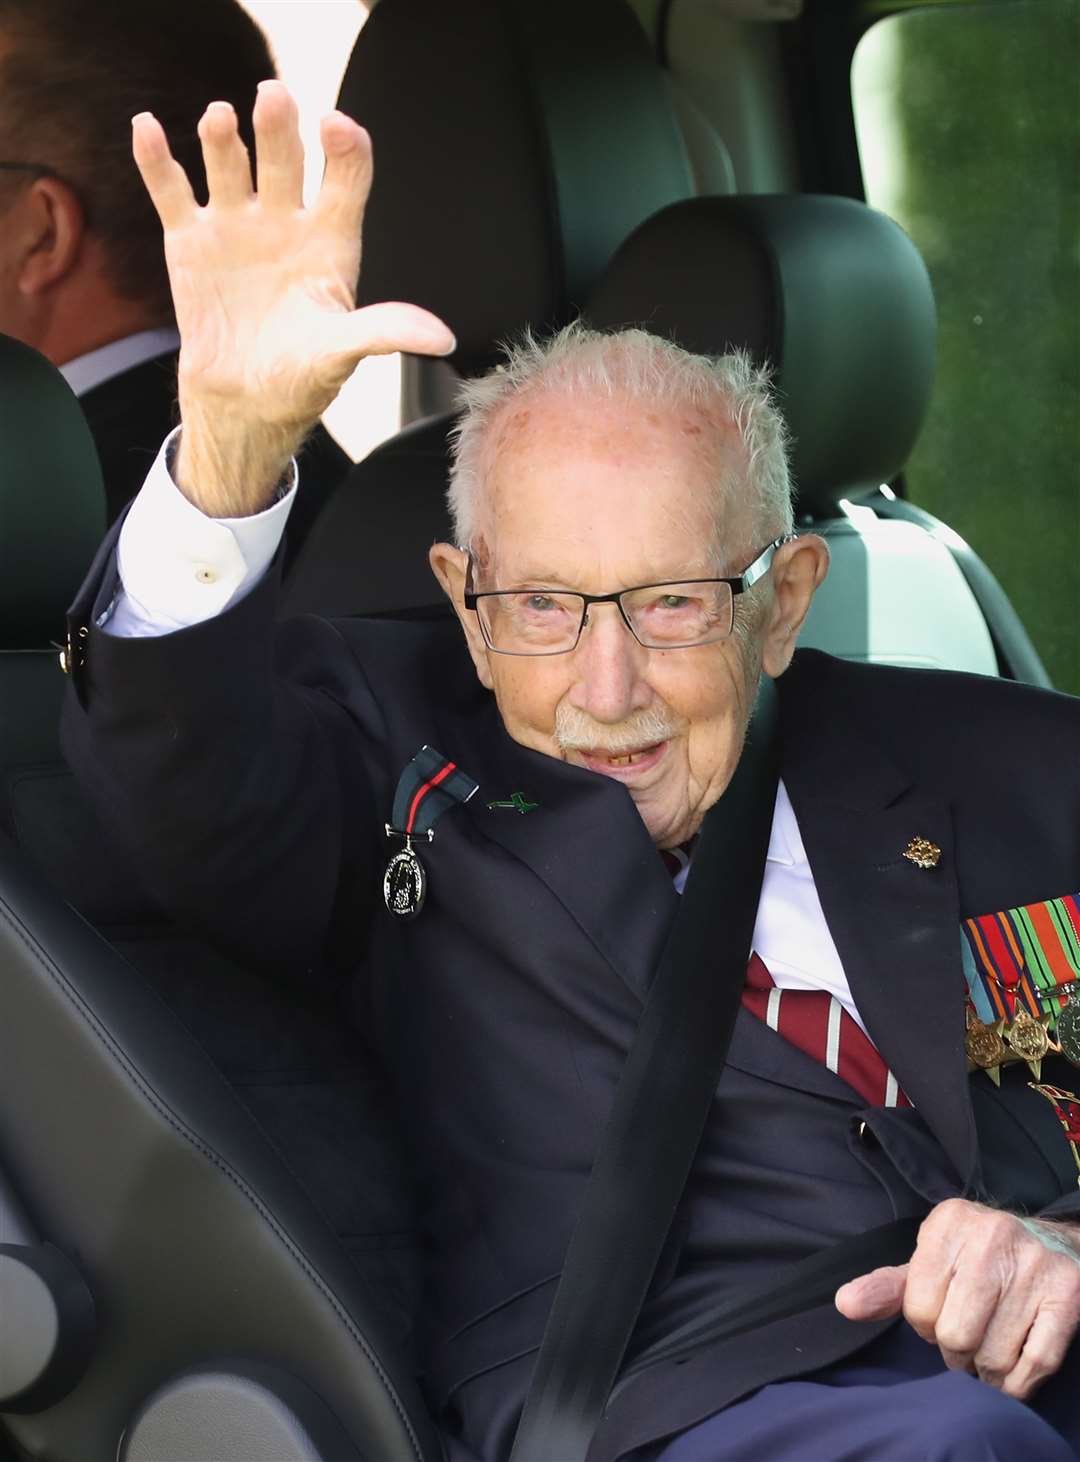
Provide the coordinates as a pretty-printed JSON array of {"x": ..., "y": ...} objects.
[
  {"x": 167, "y": 1291},
  {"x": 161, "y": 1269},
  {"x": 81, "y": 1195},
  {"x": 835, "y": 298},
  {"x": 497, "y": 204},
  {"x": 52, "y": 515}
]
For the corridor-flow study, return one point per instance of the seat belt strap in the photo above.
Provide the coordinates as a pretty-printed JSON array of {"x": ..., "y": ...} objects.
[{"x": 658, "y": 1114}]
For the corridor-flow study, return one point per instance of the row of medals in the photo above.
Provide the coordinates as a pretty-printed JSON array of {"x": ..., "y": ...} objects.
[{"x": 1025, "y": 1038}]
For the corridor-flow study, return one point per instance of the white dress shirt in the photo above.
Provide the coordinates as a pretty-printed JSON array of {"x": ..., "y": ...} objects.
[
  {"x": 179, "y": 567},
  {"x": 98, "y": 366}
]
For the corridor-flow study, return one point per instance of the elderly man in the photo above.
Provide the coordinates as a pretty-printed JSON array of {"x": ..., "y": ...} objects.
[{"x": 624, "y": 573}]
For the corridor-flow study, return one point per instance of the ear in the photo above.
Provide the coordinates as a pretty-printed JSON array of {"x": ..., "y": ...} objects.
[
  {"x": 51, "y": 227},
  {"x": 449, "y": 565},
  {"x": 798, "y": 569}
]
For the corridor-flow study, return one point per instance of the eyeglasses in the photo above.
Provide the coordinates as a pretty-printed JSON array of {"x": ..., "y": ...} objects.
[{"x": 675, "y": 615}]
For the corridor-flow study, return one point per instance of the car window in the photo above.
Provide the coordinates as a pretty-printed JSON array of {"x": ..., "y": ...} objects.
[
  {"x": 968, "y": 123},
  {"x": 312, "y": 41}
]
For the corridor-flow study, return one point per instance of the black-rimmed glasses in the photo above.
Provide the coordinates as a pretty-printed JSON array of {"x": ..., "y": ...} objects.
[{"x": 674, "y": 615}]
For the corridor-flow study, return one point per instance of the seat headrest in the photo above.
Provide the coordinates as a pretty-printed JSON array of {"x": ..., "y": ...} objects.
[
  {"x": 52, "y": 500},
  {"x": 834, "y": 296},
  {"x": 510, "y": 161}
]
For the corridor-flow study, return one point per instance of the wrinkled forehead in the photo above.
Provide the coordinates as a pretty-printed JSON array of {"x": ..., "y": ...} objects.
[{"x": 613, "y": 489}]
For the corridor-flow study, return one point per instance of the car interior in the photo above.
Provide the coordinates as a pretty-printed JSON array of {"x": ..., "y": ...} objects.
[{"x": 171, "y": 1287}]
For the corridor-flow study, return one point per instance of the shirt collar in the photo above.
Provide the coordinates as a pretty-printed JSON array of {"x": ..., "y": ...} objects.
[
  {"x": 785, "y": 840},
  {"x": 98, "y": 366}
]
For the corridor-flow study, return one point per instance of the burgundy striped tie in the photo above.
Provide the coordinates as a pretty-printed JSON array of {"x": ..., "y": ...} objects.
[
  {"x": 813, "y": 1020},
  {"x": 818, "y": 1024}
]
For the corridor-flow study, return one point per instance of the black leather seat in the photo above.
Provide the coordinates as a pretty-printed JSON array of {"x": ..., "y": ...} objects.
[
  {"x": 499, "y": 198},
  {"x": 835, "y": 298},
  {"x": 141, "y": 1167},
  {"x": 229, "y": 1323},
  {"x": 52, "y": 514},
  {"x": 498, "y": 206}
]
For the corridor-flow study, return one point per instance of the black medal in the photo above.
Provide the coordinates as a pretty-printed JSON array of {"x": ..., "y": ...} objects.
[
  {"x": 428, "y": 786},
  {"x": 404, "y": 882}
]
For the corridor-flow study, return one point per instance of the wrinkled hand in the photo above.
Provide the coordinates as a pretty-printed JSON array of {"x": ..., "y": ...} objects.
[
  {"x": 1000, "y": 1301},
  {"x": 264, "y": 288}
]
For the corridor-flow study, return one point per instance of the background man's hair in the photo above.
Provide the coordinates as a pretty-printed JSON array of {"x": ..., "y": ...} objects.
[
  {"x": 73, "y": 74},
  {"x": 625, "y": 364}
]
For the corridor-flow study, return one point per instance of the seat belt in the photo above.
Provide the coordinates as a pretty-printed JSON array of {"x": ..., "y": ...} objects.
[
  {"x": 659, "y": 1111},
  {"x": 654, "y": 1129}
]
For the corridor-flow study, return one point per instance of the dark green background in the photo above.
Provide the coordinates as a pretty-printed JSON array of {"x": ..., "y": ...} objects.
[{"x": 985, "y": 103}]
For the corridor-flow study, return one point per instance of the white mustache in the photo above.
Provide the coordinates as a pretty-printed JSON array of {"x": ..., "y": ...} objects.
[{"x": 577, "y": 731}]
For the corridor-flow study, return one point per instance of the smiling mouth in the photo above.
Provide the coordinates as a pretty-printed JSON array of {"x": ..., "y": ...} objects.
[
  {"x": 624, "y": 759},
  {"x": 621, "y": 761}
]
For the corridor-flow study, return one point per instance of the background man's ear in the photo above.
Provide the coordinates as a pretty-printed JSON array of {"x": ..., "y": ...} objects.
[
  {"x": 449, "y": 565},
  {"x": 51, "y": 229},
  {"x": 798, "y": 570}
]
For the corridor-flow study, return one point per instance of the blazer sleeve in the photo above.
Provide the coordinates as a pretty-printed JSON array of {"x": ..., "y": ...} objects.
[{"x": 237, "y": 760}]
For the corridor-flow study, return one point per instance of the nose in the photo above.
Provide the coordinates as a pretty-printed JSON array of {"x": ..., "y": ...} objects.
[{"x": 610, "y": 668}]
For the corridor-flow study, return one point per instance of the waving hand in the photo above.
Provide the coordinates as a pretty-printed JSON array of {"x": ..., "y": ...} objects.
[{"x": 264, "y": 292}]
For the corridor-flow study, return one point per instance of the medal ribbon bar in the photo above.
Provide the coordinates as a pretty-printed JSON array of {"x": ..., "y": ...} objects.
[
  {"x": 428, "y": 786},
  {"x": 1021, "y": 967}
]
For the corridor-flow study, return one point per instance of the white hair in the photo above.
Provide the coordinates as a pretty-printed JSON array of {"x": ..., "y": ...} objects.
[{"x": 631, "y": 364}]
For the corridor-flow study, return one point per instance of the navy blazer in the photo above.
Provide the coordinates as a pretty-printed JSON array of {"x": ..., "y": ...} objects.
[{"x": 253, "y": 769}]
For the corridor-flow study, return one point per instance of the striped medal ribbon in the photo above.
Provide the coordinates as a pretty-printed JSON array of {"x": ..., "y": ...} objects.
[
  {"x": 1022, "y": 968},
  {"x": 429, "y": 786}
]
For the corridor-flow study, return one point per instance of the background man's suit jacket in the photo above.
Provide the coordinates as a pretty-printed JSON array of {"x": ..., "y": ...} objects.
[
  {"x": 256, "y": 802},
  {"x": 130, "y": 416}
]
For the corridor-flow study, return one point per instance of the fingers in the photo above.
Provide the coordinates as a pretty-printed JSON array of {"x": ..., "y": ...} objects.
[
  {"x": 997, "y": 1300},
  {"x": 1041, "y": 1356},
  {"x": 228, "y": 168},
  {"x": 279, "y": 152},
  {"x": 384, "y": 328},
  {"x": 873, "y": 1296},
  {"x": 164, "y": 178},
  {"x": 962, "y": 1326},
  {"x": 927, "y": 1287},
  {"x": 347, "y": 178}
]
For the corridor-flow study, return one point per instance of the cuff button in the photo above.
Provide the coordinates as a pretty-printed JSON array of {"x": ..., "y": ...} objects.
[{"x": 206, "y": 575}]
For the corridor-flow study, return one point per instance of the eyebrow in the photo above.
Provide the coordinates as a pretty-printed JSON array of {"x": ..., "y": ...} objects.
[
  {"x": 552, "y": 581},
  {"x": 545, "y": 580}
]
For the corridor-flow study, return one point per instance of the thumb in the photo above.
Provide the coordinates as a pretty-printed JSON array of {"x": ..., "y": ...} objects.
[
  {"x": 382, "y": 328},
  {"x": 873, "y": 1296}
]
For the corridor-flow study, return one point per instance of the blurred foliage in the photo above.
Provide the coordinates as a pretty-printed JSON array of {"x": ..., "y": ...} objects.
[{"x": 982, "y": 169}]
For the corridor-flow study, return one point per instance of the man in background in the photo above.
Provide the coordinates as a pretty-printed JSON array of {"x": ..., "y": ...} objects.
[{"x": 82, "y": 271}]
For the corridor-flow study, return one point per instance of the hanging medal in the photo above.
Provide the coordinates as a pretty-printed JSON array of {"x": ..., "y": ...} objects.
[
  {"x": 1021, "y": 966},
  {"x": 428, "y": 787},
  {"x": 1067, "y": 1029}
]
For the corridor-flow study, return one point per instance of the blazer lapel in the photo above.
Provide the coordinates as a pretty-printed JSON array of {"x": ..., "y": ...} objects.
[
  {"x": 896, "y": 926},
  {"x": 583, "y": 837}
]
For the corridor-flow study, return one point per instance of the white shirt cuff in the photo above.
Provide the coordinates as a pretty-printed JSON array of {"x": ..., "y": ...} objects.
[{"x": 179, "y": 567}]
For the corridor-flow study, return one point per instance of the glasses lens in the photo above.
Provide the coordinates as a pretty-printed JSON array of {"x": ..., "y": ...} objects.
[
  {"x": 531, "y": 622},
  {"x": 665, "y": 616}
]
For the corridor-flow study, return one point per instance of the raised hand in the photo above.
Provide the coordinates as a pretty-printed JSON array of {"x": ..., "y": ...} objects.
[
  {"x": 264, "y": 292},
  {"x": 1000, "y": 1297}
]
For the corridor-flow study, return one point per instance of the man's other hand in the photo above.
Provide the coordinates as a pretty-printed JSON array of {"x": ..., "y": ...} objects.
[
  {"x": 264, "y": 291},
  {"x": 1000, "y": 1297}
]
